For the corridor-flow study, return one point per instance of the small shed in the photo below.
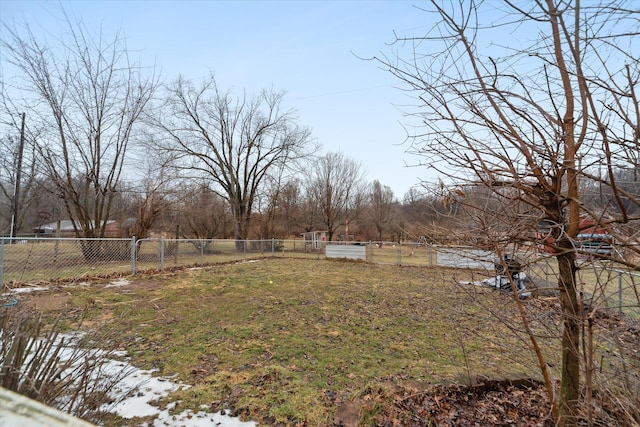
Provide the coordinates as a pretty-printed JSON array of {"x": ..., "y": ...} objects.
[{"x": 315, "y": 239}]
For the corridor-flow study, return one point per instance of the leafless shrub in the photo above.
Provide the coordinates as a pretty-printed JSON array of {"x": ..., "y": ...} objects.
[{"x": 42, "y": 363}]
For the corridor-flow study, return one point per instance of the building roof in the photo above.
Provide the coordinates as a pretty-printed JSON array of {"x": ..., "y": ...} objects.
[{"x": 66, "y": 225}]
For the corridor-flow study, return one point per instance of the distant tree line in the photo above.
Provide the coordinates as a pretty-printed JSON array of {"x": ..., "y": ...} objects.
[{"x": 105, "y": 139}]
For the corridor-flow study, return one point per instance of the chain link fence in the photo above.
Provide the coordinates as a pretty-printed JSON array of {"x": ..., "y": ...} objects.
[
  {"x": 601, "y": 285},
  {"x": 32, "y": 261}
]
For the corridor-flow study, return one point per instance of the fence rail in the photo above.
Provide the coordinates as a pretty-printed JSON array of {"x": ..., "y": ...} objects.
[{"x": 37, "y": 260}]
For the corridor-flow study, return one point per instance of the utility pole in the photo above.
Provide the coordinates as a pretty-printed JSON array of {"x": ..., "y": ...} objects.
[{"x": 16, "y": 187}]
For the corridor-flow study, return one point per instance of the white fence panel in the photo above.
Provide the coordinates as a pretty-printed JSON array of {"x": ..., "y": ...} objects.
[
  {"x": 464, "y": 258},
  {"x": 347, "y": 251}
]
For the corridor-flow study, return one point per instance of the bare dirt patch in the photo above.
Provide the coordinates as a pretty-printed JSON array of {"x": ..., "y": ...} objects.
[{"x": 49, "y": 302}]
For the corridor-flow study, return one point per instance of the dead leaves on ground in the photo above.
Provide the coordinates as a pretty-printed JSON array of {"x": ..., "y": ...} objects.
[{"x": 487, "y": 403}]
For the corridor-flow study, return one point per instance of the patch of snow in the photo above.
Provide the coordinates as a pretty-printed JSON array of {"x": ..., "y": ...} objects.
[
  {"x": 117, "y": 283},
  {"x": 76, "y": 285},
  {"x": 119, "y": 353},
  {"x": 189, "y": 418},
  {"x": 24, "y": 290},
  {"x": 147, "y": 389},
  {"x": 135, "y": 391},
  {"x": 248, "y": 261},
  {"x": 143, "y": 389}
]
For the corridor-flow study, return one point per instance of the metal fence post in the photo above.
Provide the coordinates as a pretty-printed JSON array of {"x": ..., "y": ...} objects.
[
  {"x": 55, "y": 251},
  {"x": 201, "y": 251},
  {"x": 273, "y": 246},
  {"x": 546, "y": 269},
  {"x": 133, "y": 255},
  {"x": 2, "y": 263},
  {"x": 620, "y": 293},
  {"x": 162, "y": 254}
]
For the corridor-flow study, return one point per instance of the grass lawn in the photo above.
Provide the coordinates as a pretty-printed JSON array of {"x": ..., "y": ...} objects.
[{"x": 291, "y": 340}]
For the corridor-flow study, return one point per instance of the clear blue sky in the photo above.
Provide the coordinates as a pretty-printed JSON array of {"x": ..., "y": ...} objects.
[{"x": 303, "y": 47}]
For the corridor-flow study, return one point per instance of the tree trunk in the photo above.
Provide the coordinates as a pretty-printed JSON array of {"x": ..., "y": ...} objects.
[
  {"x": 241, "y": 232},
  {"x": 570, "y": 382}
]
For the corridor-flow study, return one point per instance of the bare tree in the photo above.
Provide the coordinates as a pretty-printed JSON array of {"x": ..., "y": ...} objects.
[
  {"x": 527, "y": 121},
  {"x": 85, "y": 97},
  {"x": 415, "y": 205},
  {"x": 381, "y": 207},
  {"x": 203, "y": 214},
  {"x": 335, "y": 191},
  {"x": 279, "y": 210},
  {"x": 234, "y": 143},
  {"x": 290, "y": 208},
  {"x": 426, "y": 214},
  {"x": 148, "y": 201}
]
